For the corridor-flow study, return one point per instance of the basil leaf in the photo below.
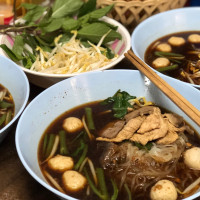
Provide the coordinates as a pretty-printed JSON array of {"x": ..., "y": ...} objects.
[
  {"x": 54, "y": 25},
  {"x": 109, "y": 25},
  {"x": 28, "y": 6},
  {"x": 34, "y": 14},
  {"x": 93, "y": 32},
  {"x": 10, "y": 53},
  {"x": 89, "y": 6},
  {"x": 70, "y": 24},
  {"x": 18, "y": 46},
  {"x": 101, "y": 12},
  {"x": 95, "y": 15},
  {"x": 62, "y": 8},
  {"x": 119, "y": 102},
  {"x": 46, "y": 19}
]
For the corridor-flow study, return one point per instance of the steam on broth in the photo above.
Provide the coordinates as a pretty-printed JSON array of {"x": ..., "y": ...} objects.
[
  {"x": 121, "y": 148},
  {"x": 6, "y": 106},
  {"x": 177, "y": 55}
]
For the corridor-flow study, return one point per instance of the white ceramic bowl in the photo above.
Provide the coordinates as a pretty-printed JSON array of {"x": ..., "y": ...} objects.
[
  {"x": 80, "y": 89},
  {"x": 159, "y": 25},
  {"x": 45, "y": 80},
  {"x": 14, "y": 79}
]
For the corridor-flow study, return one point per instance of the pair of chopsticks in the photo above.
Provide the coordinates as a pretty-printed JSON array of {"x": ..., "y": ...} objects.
[{"x": 168, "y": 90}]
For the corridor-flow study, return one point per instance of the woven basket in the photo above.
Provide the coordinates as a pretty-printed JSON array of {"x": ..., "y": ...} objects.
[{"x": 132, "y": 12}]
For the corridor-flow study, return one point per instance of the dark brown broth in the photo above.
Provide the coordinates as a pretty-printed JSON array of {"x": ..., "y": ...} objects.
[
  {"x": 183, "y": 49},
  {"x": 94, "y": 153}
]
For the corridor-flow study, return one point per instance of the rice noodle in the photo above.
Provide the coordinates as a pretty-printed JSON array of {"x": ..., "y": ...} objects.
[{"x": 140, "y": 168}]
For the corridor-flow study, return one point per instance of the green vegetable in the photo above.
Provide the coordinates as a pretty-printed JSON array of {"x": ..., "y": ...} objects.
[
  {"x": 89, "y": 6},
  {"x": 102, "y": 183},
  {"x": 62, "y": 8},
  {"x": 50, "y": 145},
  {"x": 10, "y": 53},
  {"x": 173, "y": 57},
  {"x": 128, "y": 192},
  {"x": 168, "y": 68},
  {"x": 2, "y": 119},
  {"x": 4, "y": 104},
  {"x": 89, "y": 118},
  {"x": 146, "y": 147},
  {"x": 63, "y": 145},
  {"x": 93, "y": 32},
  {"x": 169, "y": 54},
  {"x": 115, "y": 190},
  {"x": 79, "y": 149},
  {"x": 93, "y": 187},
  {"x": 44, "y": 23},
  {"x": 45, "y": 144},
  {"x": 81, "y": 159},
  {"x": 18, "y": 46},
  {"x": 119, "y": 103}
]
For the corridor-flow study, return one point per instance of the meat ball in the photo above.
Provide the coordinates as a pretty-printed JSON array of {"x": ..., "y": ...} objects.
[
  {"x": 73, "y": 181},
  {"x": 160, "y": 62},
  {"x": 163, "y": 190},
  {"x": 60, "y": 163},
  {"x": 192, "y": 158},
  {"x": 176, "y": 41},
  {"x": 164, "y": 47},
  {"x": 194, "y": 38},
  {"x": 72, "y": 124}
]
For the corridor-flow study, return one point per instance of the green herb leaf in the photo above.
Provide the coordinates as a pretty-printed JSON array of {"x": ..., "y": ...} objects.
[
  {"x": 18, "y": 46},
  {"x": 34, "y": 14},
  {"x": 28, "y": 6},
  {"x": 70, "y": 24},
  {"x": 46, "y": 19},
  {"x": 119, "y": 103},
  {"x": 95, "y": 15},
  {"x": 100, "y": 12},
  {"x": 89, "y": 6},
  {"x": 54, "y": 25},
  {"x": 146, "y": 147},
  {"x": 93, "y": 32},
  {"x": 62, "y": 8}
]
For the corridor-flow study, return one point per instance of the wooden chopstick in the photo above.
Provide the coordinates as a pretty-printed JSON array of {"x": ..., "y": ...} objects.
[{"x": 168, "y": 90}]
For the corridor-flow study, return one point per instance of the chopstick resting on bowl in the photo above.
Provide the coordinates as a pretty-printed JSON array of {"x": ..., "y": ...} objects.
[{"x": 168, "y": 90}]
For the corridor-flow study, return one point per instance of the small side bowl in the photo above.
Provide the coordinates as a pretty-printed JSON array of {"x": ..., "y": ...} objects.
[
  {"x": 162, "y": 24},
  {"x": 81, "y": 89},
  {"x": 45, "y": 80},
  {"x": 14, "y": 79}
]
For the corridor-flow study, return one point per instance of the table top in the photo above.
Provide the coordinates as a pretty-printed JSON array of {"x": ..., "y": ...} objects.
[{"x": 16, "y": 183}]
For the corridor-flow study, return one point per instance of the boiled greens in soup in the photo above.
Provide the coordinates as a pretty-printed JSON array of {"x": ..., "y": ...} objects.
[{"x": 121, "y": 148}]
